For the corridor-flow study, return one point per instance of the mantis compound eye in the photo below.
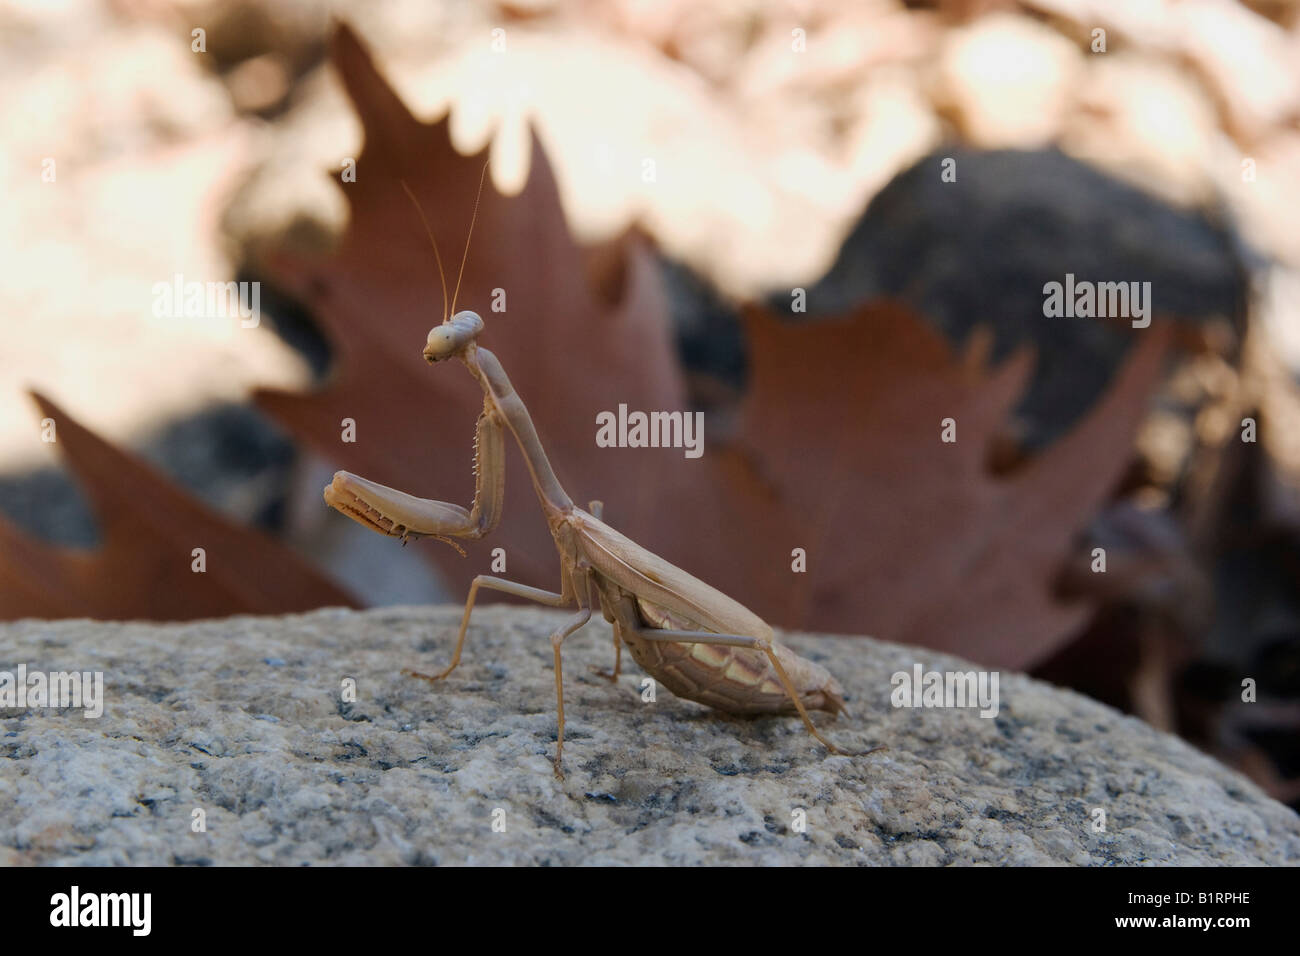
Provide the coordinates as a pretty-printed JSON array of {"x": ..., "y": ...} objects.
[{"x": 452, "y": 336}]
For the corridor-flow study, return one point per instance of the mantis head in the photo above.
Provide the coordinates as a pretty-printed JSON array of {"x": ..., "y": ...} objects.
[{"x": 453, "y": 336}]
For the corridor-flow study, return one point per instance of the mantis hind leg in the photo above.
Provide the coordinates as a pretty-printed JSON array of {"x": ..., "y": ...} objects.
[
  {"x": 756, "y": 644},
  {"x": 539, "y": 595},
  {"x": 612, "y": 676}
]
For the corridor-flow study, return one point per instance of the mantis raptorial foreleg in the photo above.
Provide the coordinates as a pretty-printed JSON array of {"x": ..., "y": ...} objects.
[
  {"x": 756, "y": 644},
  {"x": 400, "y": 515},
  {"x": 549, "y": 598}
]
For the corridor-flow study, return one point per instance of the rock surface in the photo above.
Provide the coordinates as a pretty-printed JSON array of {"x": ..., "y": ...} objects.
[{"x": 243, "y": 718}]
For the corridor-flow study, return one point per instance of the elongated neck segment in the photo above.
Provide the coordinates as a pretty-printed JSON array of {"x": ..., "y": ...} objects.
[{"x": 493, "y": 378}]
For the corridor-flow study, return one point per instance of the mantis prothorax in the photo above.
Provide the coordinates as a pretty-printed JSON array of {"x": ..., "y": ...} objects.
[{"x": 692, "y": 638}]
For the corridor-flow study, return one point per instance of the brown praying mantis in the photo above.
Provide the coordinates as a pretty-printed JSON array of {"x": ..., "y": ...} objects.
[{"x": 696, "y": 641}]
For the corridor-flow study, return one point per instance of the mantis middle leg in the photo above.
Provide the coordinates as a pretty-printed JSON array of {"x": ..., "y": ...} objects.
[
  {"x": 541, "y": 596},
  {"x": 557, "y": 638}
]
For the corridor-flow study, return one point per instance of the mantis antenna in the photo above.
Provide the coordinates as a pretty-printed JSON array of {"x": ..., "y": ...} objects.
[
  {"x": 470, "y": 234},
  {"x": 429, "y": 232}
]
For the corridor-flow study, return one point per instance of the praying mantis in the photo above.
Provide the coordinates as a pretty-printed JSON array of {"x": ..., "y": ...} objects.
[{"x": 696, "y": 641}]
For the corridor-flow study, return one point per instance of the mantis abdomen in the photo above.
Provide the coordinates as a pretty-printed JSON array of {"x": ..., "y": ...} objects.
[{"x": 735, "y": 679}]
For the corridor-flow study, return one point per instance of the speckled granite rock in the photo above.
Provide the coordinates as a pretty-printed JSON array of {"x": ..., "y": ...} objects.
[{"x": 243, "y": 719}]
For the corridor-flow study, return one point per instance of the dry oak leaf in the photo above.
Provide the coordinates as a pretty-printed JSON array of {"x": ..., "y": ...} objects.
[
  {"x": 569, "y": 350},
  {"x": 908, "y": 538},
  {"x": 144, "y": 568}
]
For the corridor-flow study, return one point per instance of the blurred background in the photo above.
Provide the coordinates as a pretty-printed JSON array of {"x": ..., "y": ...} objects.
[{"x": 734, "y": 207}]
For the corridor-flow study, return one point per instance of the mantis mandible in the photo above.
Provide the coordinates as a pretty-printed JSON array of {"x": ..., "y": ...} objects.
[{"x": 696, "y": 641}]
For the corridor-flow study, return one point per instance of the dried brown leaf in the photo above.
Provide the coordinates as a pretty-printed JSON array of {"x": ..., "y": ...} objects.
[
  {"x": 909, "y": 538},
  {"x": 149, "y": 528}
]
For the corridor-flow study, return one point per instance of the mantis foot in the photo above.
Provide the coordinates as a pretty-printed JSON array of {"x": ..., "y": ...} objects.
[
  {"x": 857, "y": 753},
  {"x": 431, "y": 678}
]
